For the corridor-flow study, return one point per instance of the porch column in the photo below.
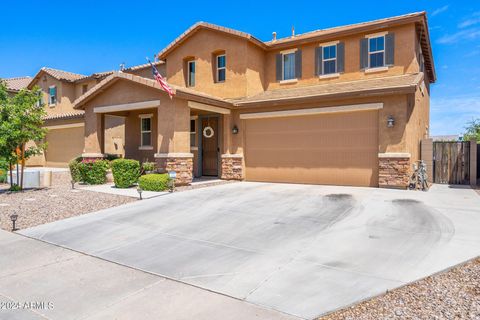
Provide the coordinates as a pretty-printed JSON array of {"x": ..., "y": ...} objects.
[
  {"x": 93, "y": 134},
  {"x": 173, "y": 139},
  {"x": 232, "y": 164}
]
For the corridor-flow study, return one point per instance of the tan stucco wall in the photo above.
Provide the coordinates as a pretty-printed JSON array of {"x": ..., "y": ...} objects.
[
  {"x": 202, "y": 46},
  {"x": 390, "y": 139},
  {"x": 79, "y": 86},
  {"x": 114, "y": 135},
  {"x": 405, "y": 60},
  {"x": 418, "y": 121}
]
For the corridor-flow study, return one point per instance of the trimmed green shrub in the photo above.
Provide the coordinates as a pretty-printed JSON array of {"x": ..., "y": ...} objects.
[
  {"x": 74, "y": 166},
  {"x": 3, "y": 170},
  {"x": 125, "y": 172},
  {"x": 154, "y": 182},
  {"x": 93, "y": 171}
]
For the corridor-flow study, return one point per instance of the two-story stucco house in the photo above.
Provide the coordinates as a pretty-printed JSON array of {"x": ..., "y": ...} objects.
[{"x": 342, "y": 106}]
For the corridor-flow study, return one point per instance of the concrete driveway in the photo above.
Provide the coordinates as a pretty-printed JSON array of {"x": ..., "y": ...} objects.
[{"x": 300, "y": 249}]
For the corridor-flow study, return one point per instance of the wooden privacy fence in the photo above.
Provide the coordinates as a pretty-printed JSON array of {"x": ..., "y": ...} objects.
[{"x": 451, "y": 162}]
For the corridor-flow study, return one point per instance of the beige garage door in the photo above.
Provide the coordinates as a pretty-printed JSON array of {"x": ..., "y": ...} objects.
[
  {"x": 335, "y": 149},
  {"x": 63, "y": 146}
]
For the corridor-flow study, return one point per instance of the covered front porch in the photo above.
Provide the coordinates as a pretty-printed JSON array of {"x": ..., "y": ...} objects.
[{"x": 188, "y": 134}]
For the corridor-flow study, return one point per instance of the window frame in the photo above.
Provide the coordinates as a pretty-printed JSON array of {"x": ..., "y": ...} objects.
[
  {"x": 330, "y": 59},
  {"x": 285, "y": 53},
  {"x": 375, "y": 36},
  {"x": 221, "y": 68},
  {"x": 84, "y": 88},
  {"x": 193, "y": 133},
  {"x": 50, "y": 103},
  {"x": 189, "y": 82},
  {"x": 142, "y": 145}
]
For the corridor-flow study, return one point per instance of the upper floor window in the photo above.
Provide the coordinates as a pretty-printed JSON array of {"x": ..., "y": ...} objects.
[
  {"x": 288, "y": 63},
  {"x": 376, "y": 52},
  {"x": 221, "y": 68},
  {"x": 84, "y": 88},
  {"x": 145, "y": 130},
  {"x": 191, "y": 73},
  {"x": 330, "y": 59},
  {"x": 52, "y": 95}
]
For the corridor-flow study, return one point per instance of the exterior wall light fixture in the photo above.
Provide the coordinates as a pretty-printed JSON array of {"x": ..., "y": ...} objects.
[
  {"x": 390, "y": 121},
  {"x": 235, "y": 129}
]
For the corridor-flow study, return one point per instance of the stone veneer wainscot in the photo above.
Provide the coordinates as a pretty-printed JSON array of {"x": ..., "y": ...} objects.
[
  {"x": 232, "y": 167},
  {"x": 181, "y": 163},
  {"x": 393, "y": 170}
]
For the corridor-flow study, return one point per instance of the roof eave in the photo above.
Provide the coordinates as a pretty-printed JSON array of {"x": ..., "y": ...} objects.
[{"x": 349, "y": 94}]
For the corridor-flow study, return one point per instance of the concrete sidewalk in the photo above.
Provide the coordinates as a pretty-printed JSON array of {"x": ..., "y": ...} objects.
[{"x": 72, "y": 285}]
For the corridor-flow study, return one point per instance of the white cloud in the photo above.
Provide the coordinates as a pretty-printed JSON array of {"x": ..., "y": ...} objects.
[
  {"x": 450, "y": 115},
  {"x": 440, "y": 10},
  {"x": 472, "y": 20},
  {"x": 467, "y": 34}
]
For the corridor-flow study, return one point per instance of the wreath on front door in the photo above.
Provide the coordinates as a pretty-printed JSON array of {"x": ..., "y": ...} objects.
[{"x": 208, "y": 132}]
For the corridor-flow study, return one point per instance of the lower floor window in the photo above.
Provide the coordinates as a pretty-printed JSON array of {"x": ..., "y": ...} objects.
[{"x": 146, "y": 131}]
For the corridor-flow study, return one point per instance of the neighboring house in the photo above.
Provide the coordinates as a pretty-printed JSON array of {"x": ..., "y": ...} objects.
[
  {"x": 14, "y": 85},
  {"x": 65, "y": 136},
  {"x": 341, "y": 106}
]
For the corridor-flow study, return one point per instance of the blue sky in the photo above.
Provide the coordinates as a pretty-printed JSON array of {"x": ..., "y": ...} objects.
[{"x": 91, "y": 36}]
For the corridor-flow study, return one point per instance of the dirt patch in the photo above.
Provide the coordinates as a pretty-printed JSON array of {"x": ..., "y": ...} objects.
[{"x": 454, "y": 294}]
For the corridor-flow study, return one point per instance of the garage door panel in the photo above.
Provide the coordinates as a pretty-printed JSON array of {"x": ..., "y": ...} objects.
[
  {"x": 64, "y": 145},
  {"x": 322, "y": 149}
]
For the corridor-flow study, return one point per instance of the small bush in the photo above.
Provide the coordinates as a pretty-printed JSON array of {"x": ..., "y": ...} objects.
[
  {"x": 148, "y": 166},
  {"x": 125, "y": 172},
  {"x": 74, "y": 166},
  {"x": 154, "y": 182},
  {"x": 93, "y": 171},
  {"x": 3, "y": 171}
]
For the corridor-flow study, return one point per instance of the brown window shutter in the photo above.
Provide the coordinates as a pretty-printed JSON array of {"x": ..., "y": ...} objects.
[
  {"x": 278, "y": 65},
  {"x": 318, "y": 61},
  {"x": 363, "y": 53},
  {"x": 341, "y": 57},
  {"x": 298, "y": 64},
  {"x": 389, "y": 49}
]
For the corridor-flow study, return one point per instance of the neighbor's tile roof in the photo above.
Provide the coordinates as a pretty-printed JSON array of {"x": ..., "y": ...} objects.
[
  {"x": 390, "y": 84},
  {"x": 18, "y": 83},
  {"x": 66, "y": 115},
  {"x": 63, "y": 75}
]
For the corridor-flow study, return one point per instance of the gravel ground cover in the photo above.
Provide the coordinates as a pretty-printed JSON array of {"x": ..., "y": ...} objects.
[
  {"x": 35, "y": 207},
  {"x": 453, "y": 294}
]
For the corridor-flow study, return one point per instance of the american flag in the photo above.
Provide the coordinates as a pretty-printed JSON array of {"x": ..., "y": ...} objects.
[{"x": 161, "y": 80}]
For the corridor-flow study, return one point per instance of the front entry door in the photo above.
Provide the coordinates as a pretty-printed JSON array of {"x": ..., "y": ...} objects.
[{"x": 210, "y": 146}]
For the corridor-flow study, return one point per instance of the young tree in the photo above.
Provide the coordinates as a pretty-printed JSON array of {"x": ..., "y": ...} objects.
[
  {"x": 21, "y": 120},
  {"x": 472, "y": 130}
]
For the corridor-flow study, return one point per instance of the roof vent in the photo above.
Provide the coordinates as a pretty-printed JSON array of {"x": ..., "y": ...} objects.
[
  {"x": 293, "y": 31},
  {"x": 274, "y": 36},
  {"x": 122, "y": 66}
]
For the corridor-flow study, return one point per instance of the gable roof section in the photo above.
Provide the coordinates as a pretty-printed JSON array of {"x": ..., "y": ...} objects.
[
  {"x": 17, "y": 84},
  {"x": 57, "y": 74},
  {"x": 180, "y": 92},
  {"x": 210, "y": 26},
  {"x": 386, "y": 85}
]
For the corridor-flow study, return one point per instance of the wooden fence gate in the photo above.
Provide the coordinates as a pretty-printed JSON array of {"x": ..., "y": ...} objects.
[{"x": 451, "y": 162}]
